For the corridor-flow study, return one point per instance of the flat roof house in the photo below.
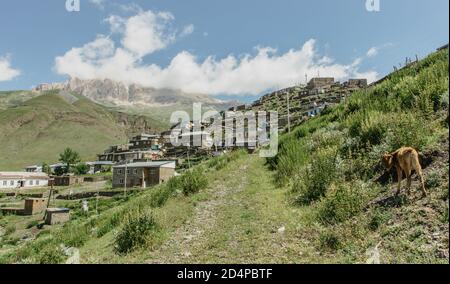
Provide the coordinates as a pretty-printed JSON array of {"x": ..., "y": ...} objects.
[
  {"x": 12, "y": 180},
  {"x": 143, "y": 174}
]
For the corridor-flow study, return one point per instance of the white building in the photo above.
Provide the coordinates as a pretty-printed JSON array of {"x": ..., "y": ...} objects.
[
  {"x": 12, "y": 180},
  {"x": 34, "y": 169}
]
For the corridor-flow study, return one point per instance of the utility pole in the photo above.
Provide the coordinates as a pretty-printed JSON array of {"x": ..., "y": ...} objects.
[
  {"x": 288, "y": 113},
  {"x": 51, "y": 181},
  {"x": 125, "y": 181}
]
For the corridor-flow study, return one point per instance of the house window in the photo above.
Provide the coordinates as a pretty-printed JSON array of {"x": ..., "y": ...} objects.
[
  {"x": 11, "y": 183},
  {"x": 4, "y": 183},
  {"x": 119, "y": 172},
  {"x": 31, "y": 182},
  {"x": 135, "y": 171},
  {"x": 37, "y": 182},
  {"x": 128, "y": 172},
  {"x": 121, "y": 181}
]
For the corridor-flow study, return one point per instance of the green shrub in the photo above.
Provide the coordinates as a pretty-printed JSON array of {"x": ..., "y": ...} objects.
[
  {"x": 11, "y": 229},
  {"x": 32, "y": 224},
  {"x": 193, "y": 181},
  {"x": 341, "y": 202},
  {"x": 433, "y": 180},
  {"x": 377, "y": 218},
  {"x": 51, "y": 255},
  {"x": 315, "y": 178},
  {"x": 292, "y": 156},
  {"x": 73, "y": 235},
  {"x": 109, "y": 224},
  {"x": 161, "y": 194},
  {"x": 329, "y": 241},
  {"x": 81, "y": 169},
  {"x": 138, "y": 230},
  {"x": 408, "y": 130}
]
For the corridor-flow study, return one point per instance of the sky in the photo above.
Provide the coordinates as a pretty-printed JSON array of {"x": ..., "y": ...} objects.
[{"x": 230, "y": 49}]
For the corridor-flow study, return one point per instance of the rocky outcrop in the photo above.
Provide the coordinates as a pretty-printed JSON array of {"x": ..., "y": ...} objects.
[{"x": 116, "y": 93}]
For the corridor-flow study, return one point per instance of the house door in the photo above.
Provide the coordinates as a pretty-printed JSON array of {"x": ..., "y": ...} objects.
[{"x": 21, "y": 183}]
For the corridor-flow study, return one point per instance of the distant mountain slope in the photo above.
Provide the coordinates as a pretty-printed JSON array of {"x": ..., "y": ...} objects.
[
  {"x": 155, "y": 103},
  {"x": 14, "y": 98},
  {"x": 40, "y": 128}
]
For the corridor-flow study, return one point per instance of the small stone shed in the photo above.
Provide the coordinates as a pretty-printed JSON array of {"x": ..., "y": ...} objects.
[
  {"x": 143, "y": 174},
  {"x": 67, "y": 180},
  {"x": 34, "y": 206},
  {"x": 55, "y": 216}
]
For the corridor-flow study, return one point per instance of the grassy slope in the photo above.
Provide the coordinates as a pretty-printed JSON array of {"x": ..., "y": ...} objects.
[
  {"x": 14, "y": 98},
  {"x": 332, "y": 166},
  {"x": 238, "y": 216},
  {"x": 40, "y": 128}
]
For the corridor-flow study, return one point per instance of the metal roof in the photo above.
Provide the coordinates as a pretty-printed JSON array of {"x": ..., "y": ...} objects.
[
  {"x": 157, "y": 164},
  {"x": 22, "y": 175}
]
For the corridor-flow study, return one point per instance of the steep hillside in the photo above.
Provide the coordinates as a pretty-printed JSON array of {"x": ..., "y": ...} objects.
[
  {"x": 332, "y": 165},
  {"x": 40, "y": 128},
  {"x": 323, "y": 199}
]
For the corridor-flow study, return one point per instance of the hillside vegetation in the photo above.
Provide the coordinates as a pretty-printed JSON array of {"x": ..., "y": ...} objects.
[
  {"x": 323, "y": 199},
  {"x": 38, "y": 129},
  {"x": 332, "y": 165}
]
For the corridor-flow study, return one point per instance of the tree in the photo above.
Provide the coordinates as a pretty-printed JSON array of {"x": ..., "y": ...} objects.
[
  {"x": 69, "y": 157},
  {"x": 81, "y": 169},
  {"x": 46, "y": 168}
]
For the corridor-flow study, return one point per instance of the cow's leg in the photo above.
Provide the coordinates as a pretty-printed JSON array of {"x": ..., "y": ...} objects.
[
  {"x": 418, "y": 170},
  {"x": 399, "y": 180}
]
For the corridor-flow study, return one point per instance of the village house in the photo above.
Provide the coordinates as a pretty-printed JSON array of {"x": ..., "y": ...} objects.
[
  {"x": 99, "y": 166},
  {"x": 34, "y": 169},
  {"x": 143, "y": 174},
  {"x": 67, "y": 180},
  {"x": 13, "y": 180},
  {"x": 141, "y": 147}
]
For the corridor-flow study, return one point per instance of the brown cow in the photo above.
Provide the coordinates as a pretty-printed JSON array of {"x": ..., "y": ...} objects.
[{"x": 405, "y": 160}]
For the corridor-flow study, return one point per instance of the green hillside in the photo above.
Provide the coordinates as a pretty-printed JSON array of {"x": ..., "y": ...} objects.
[
  {"x": 38, "y": 129},
  {"x": 324, "y": 199}
]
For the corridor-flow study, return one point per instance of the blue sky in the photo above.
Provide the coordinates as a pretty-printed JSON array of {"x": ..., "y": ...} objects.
[{"x": 231, "y": 47}]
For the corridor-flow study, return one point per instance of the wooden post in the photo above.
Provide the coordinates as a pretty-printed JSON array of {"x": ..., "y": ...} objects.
[
  {"x": 288, "y": 114},
  {"x": 49, "y": 196},
  {"x": 125, "y": 180}
]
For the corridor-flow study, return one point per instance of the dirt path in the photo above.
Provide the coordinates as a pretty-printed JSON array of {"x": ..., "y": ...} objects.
[{"x": 186, "y": 241}]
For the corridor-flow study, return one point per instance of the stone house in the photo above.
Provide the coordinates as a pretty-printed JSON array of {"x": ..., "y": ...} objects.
[{"x": 143, "y": 174}]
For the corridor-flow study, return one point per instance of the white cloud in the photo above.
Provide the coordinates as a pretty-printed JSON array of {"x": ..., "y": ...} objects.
[
  {"x": 7, "y": 73},
  {"x": 98, "y": 3},
  {"x": 373, "y": 51},
  {"x": 187, "y": 30},
  {"x": 248, "y": 74}
]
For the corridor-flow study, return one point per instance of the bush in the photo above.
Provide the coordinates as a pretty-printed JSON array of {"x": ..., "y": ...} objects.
[
  {"x": 292, "y": 156},
  {"x": 32, "y": 224},
  {"x": 73, "y": 235},
  {"x": 81, "y": 169},
  {"x": 193, "y": 181},
  {"x": 317, "y": 176},
  {"x": 138, "y": 230},
  {"x": 329, "y": 240},
  {"x": 433, "y": 180},
  {"x": 377, "y": 218},
  {"x": 109, "y": 224},
  {"x": 10, "y": 230},
  {"x": 341, "y": 203},
  {"x": 51, "y": 255},
  {"x": 160, "y": 195}
]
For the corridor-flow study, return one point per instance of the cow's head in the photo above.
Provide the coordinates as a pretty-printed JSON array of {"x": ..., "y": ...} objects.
[{"x": 388, "y": 161}]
